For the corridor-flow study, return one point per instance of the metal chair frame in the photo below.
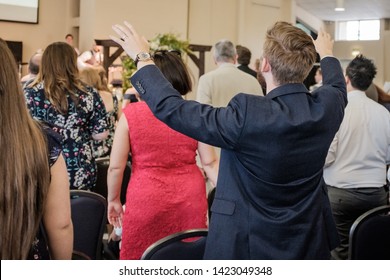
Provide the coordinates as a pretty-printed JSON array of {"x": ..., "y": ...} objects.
[{"x": 174, "y": 246}]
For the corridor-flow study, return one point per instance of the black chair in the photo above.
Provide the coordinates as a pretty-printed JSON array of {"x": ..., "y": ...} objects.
[
  {"x": 89, "y": 217},
  {"x": 101, "y": 182},
  {"x": 173, "y": 247},
  {"x": 210, "y": 199},
  {"x": 369, "y": 237},
  {"x": 101, "y": 188},
  {"x": 76, "y": 255}
]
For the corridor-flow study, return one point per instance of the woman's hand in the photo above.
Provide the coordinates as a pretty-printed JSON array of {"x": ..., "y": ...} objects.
[
  {"x": 115, "y": 213},
  {"x": 131, "y": 42}
]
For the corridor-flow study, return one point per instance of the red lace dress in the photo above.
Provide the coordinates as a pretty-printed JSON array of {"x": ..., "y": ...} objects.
[{"x": 166, "y": 192}]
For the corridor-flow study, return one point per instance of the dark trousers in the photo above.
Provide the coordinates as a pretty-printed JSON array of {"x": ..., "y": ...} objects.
[{"x": 347, "y": 205}]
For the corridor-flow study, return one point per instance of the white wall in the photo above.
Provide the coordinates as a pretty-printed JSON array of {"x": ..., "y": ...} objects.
[
  {"x": 310, "y": 20},
  {"x": 200, "y": 21},
  {"x": 149, "y": 17},
  {"x": 255, "y": 17}
]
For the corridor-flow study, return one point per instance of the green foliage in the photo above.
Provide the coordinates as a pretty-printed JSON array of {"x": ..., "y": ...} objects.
[
  {"x": 166, "y": 41},
  {"x": 128, "y": 70}
]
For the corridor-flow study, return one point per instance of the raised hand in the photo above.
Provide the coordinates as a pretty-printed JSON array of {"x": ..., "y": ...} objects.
[
  {"x": 324, "y": 43},
  {"x": 131, "y": 42}
]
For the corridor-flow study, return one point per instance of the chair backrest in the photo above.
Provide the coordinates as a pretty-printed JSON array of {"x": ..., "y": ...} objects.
[
  {"x": 210, "y": 199},
  {"x": 369, "y": 237},
  {"x": 101, "y": 182},
  {"x": 89, "y": 217},
  {"x": 175, "y": 247},
  {"x": 76, "y": 255}
]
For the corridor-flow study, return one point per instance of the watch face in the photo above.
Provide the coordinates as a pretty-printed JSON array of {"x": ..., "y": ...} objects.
[{"x": 143, "y": 56}]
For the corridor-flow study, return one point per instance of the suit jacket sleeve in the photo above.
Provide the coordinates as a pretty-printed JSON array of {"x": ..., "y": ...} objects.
[{"x": 219, "y": 127}]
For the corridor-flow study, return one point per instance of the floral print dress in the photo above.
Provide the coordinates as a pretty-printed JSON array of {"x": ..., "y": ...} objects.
[
  {"x": 76, "y": 128},
  {"x": 103, "y": 148}
]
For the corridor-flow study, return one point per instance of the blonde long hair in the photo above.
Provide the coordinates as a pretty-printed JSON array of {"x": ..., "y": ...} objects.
[
  {"x": 95, "y": 77},
  {"x": 24, "y": 167}
]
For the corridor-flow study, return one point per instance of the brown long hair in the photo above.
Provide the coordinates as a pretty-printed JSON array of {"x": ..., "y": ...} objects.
[
  {"x": 60, "y": 75},
  {"x": 24, "y": 167}
]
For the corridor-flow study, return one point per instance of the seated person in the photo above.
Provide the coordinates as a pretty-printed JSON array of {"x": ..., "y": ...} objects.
[
  {"x": 91, "y": 58},
  {"x": 33, "y": 68}
]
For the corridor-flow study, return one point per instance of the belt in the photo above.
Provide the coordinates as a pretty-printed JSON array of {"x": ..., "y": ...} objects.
[{"x": 385, "y": 187}]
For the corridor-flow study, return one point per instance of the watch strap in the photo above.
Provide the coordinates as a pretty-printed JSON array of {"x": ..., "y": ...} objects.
[{"x": 137, "y": 58}]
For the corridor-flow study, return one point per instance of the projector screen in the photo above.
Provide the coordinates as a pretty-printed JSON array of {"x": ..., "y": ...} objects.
[{"x": 19, "y": 10}]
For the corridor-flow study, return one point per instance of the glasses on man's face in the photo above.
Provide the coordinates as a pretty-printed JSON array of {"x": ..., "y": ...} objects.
[{"x": 163, "y": 52}]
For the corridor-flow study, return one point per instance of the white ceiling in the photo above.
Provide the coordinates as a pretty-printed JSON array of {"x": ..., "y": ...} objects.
[{"x": 354, "y": 9}]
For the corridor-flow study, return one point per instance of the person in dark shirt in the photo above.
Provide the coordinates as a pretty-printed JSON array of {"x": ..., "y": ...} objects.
[{"x": 244, "y": 59}]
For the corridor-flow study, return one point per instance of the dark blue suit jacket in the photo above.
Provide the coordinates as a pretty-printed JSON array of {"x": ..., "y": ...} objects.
[{"x": 271, "y": 202}]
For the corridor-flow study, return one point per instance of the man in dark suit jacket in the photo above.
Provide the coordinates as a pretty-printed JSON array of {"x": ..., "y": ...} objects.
[
  {"x": 243, "y": 59},
  {"x": 271, "y": 201}
]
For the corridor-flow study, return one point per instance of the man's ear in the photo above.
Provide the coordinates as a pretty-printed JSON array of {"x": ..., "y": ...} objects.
[
  {"x": 347, "y": 80},
  {"x": 265, "y": 66}
]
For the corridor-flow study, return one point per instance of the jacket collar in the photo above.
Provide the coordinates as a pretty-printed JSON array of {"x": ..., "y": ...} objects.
[{"x": 287, "y": 89}]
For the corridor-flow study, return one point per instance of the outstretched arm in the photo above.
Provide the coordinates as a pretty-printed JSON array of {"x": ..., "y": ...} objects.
[
  {"x": 324, "y": 44},
  {"x": 219, "y": 127},
  {"x": 332, "y": 74}
]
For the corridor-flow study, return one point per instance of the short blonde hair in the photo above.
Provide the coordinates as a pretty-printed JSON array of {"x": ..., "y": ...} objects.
[{"x": 290, "y": 52}]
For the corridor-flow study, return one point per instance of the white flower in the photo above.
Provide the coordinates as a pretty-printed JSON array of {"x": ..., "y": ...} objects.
[{"x": 154, "y": 45}]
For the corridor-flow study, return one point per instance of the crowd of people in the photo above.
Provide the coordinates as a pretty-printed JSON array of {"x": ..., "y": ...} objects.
[{"x": 292, "y": 167}]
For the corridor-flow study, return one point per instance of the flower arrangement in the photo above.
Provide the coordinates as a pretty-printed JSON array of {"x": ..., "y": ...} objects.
[{"x": 166, "y": 41}]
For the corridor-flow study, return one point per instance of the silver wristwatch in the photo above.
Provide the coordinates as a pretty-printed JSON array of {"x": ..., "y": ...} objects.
[{"x": 142, "y": 56}]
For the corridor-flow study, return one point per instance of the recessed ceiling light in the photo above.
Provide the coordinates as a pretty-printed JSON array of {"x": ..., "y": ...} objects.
[{"x": 339, "y": 6}]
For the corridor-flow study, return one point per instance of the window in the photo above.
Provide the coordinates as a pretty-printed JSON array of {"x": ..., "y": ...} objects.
[{"x": 358, "y": 30}]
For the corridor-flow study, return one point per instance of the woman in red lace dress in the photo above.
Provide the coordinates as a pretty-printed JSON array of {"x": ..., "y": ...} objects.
[{"x": 166, "y": 193}]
